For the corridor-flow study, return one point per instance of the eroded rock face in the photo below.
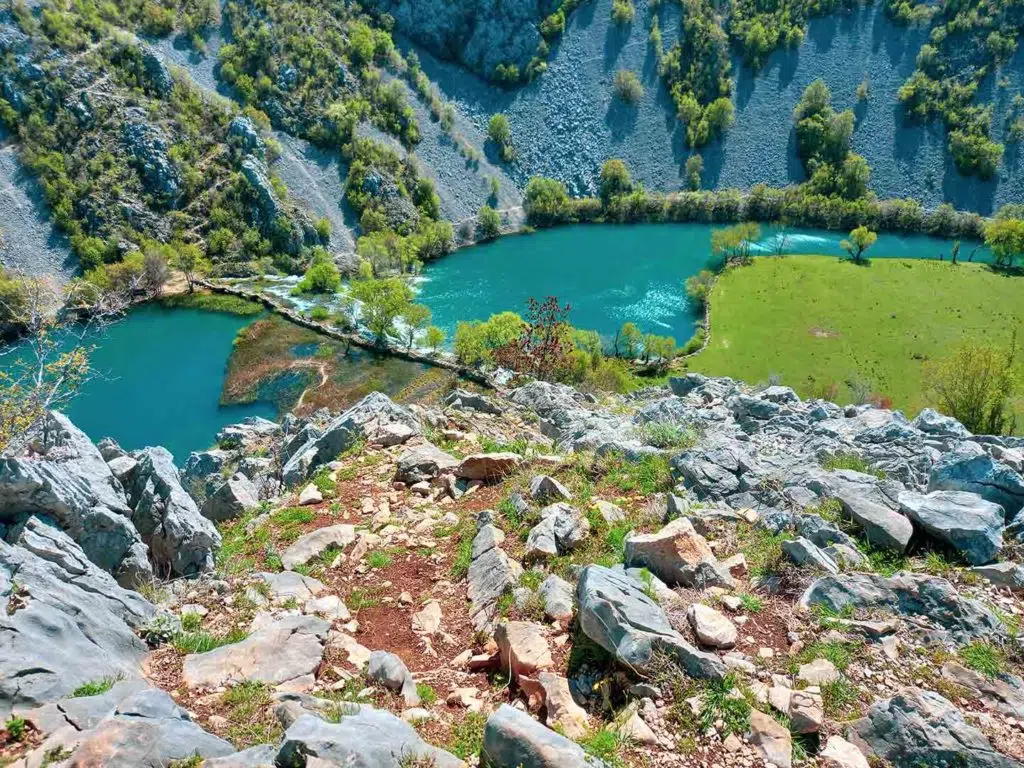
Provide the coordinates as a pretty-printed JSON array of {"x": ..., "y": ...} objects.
[
  {"x": 63, "y": 621},
  {"x": 918, "y": 727},
  {"x": 148, "y": 146},
  {"x": 371, "y": 738},
  {"x": 180, "y": 539},
  {"x": 478, "y": 34},
  {"x": 75, "y": 487},
  {"x": 233, "y": 499}
]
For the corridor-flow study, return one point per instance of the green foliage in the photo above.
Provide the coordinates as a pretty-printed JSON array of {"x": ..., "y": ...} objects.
[
  {"x": 732, "y": 244},
  {"x": 435, "y": 338},
  {"x": 321, "y": 277},
  {"x": 615, "y": 180},
  {"x": 212, "y": 302},
  {"x": 846, "y": 460},
  {"x": 751, "y": 603},
  {"x": 623, "y": 11},
  {"x": 669, "y": 436},
  {"x": 720, "y": 703},
  {"x": 1005, "y": 238},
  {"x": 500, "y": 132},
  {"x": 545, "y": 200},
  {"x": 467, "y": 736},
  {"x": 649, "y": 474},
  {"x": 427, "y": 694},
  {"x": 383, "y": 300},
  {"x": 488, "y": 223},
  {"x": 201, "y": 642},
  {"x": 840, "y": 653},
  {"x": 378, "y": 558},
  {"x": 976, "y": 384},
  {"x": 15, "y": 728},
  {"x": 605, "y": 745},
  {"x": 95, "y": 687},
  {"x": 627, "y": 87},
  {"x": 249, "y": 710},
  {"x": 983, "y": 657},
  {"x": 693, "y": 170},
  {"x": 698, "y": 287},
  {"x": 860, "y": 240}
]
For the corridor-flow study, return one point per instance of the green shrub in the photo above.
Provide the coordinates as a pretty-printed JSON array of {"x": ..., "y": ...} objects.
[
  {"x": 488, "y": 223},
  {"x": 627, "y": 86}
]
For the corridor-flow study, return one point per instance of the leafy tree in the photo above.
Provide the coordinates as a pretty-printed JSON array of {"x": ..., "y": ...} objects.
[
  {"x": 500, "y": 132},
  {"x": 546, "y": 200},
  {"x": 388, "y": 252},
  {"x": 694, "y": 169},
  {"x": 623, "y": 11},
  {"x": 189, "y": 260},
  {"x": 416, "y": 318},
  {"x": 502, "y": 328},
  {"x": 615, "y": 180},
  {"x": 321, "y": 277},
  {"x": 1005, "y": 238},
  {"x": 628, "y": 341},
  {"x": 435, "y": 337},
  {"x": 488, "y": 223},
  {"x": 470, "y": 342},
  {"x": 627, "y": 86},
  {"x": 976, "y": 385},
  {"x": 698, "y": 287},
  {"x": 859, "y": 241},
  {"x": 382, "y": 301},
  {"x": 733, "y": 243}
]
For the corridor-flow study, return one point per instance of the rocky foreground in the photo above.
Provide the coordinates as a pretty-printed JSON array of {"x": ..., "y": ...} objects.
[{"x": 699, "y": 575}]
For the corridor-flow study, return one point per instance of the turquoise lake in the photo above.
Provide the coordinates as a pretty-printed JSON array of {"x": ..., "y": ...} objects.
[
  {"x": 611, "y": 273},
  {"x": 162, "y": 370},
  {"x": 159, "y": 383}
]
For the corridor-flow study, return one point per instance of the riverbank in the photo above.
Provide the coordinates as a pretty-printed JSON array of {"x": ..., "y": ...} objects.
[{"x": 832, "y": 328}]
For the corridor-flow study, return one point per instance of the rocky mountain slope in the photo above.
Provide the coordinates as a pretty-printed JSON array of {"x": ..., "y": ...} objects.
[{"x": 697, "y": 575}]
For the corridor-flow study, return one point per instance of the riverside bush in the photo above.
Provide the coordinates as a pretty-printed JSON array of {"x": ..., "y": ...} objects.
[{"x": 627, "y": 86}]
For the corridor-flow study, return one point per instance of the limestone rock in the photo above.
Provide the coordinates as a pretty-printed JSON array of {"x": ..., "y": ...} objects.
[
  {"x": 233, "y": 499},
  {"x": 545, "y": 488},
  {"x": 423, "y": 462},
  {"x": 67, "y": 623},
  {"x": 523, "y": 648},
  {"x": 803, "y": 552},
  {"x": 677, "y": 554},
  {"x": 168, "y": 519},
  {"x": 839, "y": 753},
  {"x": 513, "y": 738},
  {"x": 488, "y": 466},
  {"x": 282, "y": 650},
  {"x": 711, "y": 627},
  {"x": 1003, "y": 695},
  {"x": 917, "y": 727},
  {"x": 907, "y": 594},
  {"x": 362, "y": 421},
  {"x": 969, "y": 468},
  {"x": 558, "y": 598},
  {"x": 609, "y": 512},
  {"x": 289, "y": 585},
  {"x": 963, "y": 520},
  {"x": 818, "y": 672},
  {"x": 616, "y": 613},
  {"x": 310, "y": 495},
  {"x": 75, "y": 487},
  {"x": 390, "y": 671},
  {"x": 770, "y": 739},
  {"x": 806, "y": 712},
  {"x": 370, "y": 738},
  {"x": 312, "y": 544},
  {"x": 148, "y": 731}
]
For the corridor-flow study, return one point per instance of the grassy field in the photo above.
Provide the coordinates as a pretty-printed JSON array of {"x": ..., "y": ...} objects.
[{"x": 815, "y": 321}]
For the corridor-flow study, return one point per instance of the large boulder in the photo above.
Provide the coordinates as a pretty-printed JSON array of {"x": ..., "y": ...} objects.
[
  {"x": 148, "y": 731},
  {"x": 63, "y": 620},
  {"x": 963, "y": 520},
  {"x": 918, "y": 727},
  {"x": 933, "y": 423},
  {"x": 280, "y": 651},
  {"x": 712, "y": 472},
  {"x": 363, "y": 421},
  {"x": 566, "y": 420},
  {"x": 677, "y": 555},
  {"x": 368, "y": 738},
  {"x": 616, "y": 613},
  {"x": 513, "y": 739},
  {"x": 872, "y": 503},
  {"x": 969, "y": 468},
  {"x": 423, "y": 462},
  {"x": 180, "y": 539},
  {"x": 236, "y": 496},
  {"x": 148, "y": 146},
  {"x": 314, "y": 543},
  {"x": 910, "y": 595},
  {"x": 75, "y": 487}
]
